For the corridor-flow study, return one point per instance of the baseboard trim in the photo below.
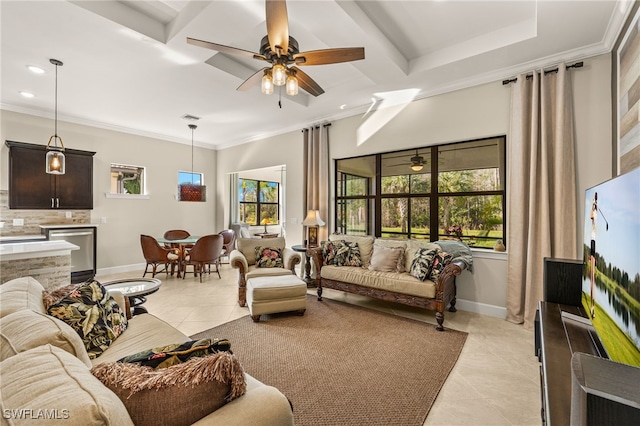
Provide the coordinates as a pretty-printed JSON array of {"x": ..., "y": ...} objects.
[
  {"x": 481, "y": 308},
  {"x": 121, "y": 269}
]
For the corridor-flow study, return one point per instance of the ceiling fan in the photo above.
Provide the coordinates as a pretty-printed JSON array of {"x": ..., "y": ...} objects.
[
  {"x": 281, "y": 50},
  {"x": 416, "y": 162}
]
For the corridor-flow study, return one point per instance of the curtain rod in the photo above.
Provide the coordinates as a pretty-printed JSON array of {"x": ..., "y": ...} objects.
[
  {"x": 317, "y": 127},
  {"x": 530, "y": 76}
]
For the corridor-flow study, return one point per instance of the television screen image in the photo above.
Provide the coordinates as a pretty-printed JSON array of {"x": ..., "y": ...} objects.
[{"x": 611, "y": 273}]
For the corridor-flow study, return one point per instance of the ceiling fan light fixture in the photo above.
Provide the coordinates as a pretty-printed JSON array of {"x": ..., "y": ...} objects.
[
  {"x": 279, "y": 73},
  {"x": 417, "y": 167},
  {"x": 292, "y": 84},
  {"x": 267, "y": 83}
]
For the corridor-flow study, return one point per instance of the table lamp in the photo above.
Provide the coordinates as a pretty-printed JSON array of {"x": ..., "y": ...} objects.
[
  {"x": 312, "y": 222},
  {"x": 265, "y": 222}
]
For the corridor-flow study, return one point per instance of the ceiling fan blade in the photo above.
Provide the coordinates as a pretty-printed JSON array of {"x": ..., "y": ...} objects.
[
  {"x": 277, "y": 25},
  {"x": 224, "y": 49},
  {"x": 307, "y": 83},
  {"x": 252, "y": 81},
  {"x": 329, "y": 56}
]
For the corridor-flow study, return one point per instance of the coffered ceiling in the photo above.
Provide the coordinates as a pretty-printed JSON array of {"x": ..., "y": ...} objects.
[{"x": 127, "y": 65}]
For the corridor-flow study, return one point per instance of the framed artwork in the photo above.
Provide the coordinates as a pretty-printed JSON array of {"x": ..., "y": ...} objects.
[
  {"x": 313, "y": 236},
  {"x": 628, "y": 95}
]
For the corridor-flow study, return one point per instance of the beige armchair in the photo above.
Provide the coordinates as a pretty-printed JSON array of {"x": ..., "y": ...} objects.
[{"x": 244, "y": 260}]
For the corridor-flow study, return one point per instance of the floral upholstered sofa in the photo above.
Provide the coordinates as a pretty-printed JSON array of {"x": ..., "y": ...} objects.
[
  {"x": 411, "y": 272},
  {"x": 47, "y": 373}
]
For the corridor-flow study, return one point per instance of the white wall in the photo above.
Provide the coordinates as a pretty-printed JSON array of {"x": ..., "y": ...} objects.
[
  {"x": 462, "y": 115},
  {"x": 465, "y": 114},
  {"x": 119, "y": 239}
]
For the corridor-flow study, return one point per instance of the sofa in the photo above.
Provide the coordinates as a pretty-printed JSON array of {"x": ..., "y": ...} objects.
[
  {"x": 46, "y": 372},
  {"x": 244, "y": 259},
  {"x": 382, "y": 269}
]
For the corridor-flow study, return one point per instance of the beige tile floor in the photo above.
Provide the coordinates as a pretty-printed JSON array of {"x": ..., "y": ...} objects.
[{"x": 494, "y": 382}]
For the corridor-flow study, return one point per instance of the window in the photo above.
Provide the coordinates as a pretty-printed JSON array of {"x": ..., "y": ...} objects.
[
  {"x": 127, "y": 179},
  {"x": 190, "y": 177},
  {"x": 259, "y": 201},
  {"x": 425, "y": 193}
]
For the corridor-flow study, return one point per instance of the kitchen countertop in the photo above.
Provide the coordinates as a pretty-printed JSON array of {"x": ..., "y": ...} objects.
[
  {"x": 21, "y": 238},
  {"x": 69, "y": 225},
  {"x": 30, "y": 250}
]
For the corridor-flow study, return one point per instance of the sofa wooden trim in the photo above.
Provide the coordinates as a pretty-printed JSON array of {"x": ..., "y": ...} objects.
[{"x": 445, "y": 288}]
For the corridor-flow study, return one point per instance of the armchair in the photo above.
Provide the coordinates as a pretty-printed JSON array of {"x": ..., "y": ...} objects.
[{"x": 244, "y": 260}]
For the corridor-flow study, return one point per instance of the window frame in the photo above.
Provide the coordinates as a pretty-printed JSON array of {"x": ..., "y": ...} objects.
[
  {"x": 119, "y": 193},
  {"x": 258, "y": 203},
  {"x": 375, "y": 198}
]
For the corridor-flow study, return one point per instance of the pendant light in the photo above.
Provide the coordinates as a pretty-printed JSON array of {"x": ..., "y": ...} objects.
[
  {"x": 192, "y": 191},
  {"x": 55, "y": 162}
]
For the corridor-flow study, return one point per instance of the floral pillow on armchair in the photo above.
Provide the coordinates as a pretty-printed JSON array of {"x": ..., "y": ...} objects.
[{"x": 269, "y": 257}]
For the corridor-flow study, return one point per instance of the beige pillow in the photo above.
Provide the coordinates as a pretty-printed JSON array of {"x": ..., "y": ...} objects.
[
  {"x": 388, "y": 242},
  {"x": 49, "y": 379},
  {"x": 21, "y": 293},
  {"x": 177, "y": 395},
  {"x": 24, "y": 330},
  {"x": 386, "y": 259}
]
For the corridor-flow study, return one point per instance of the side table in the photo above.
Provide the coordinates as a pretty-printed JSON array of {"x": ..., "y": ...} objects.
[
  {"x": 307, "y": 265},
  {"x": 136, "y": 290}
]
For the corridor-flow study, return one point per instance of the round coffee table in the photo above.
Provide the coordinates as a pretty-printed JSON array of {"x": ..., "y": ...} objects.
[{"x": 136, "y": 290}]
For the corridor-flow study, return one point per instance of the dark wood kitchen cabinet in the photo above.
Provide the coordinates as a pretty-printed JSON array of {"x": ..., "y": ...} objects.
[{"x": 30, "y": 187}]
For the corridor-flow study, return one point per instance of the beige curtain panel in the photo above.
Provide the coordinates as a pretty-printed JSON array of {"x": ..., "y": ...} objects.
[
  {"x": 316, "y": 178},
  {"x": 541, "y": 186}
]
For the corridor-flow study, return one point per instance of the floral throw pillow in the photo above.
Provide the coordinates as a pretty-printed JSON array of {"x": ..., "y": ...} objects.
[
  {"x": 91, "y": 311},
  {"x": 329, "y": 252},
  {"x": 269, "y": 257},
  {"x": 441, "y": 260},
  {"x": 421, "y": 263},
  {"x": 166, "y": 356},
  {"x": 347, "y": 254}
]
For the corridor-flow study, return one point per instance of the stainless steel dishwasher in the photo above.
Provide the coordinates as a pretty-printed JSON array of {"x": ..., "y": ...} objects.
[{"x": 83, "y": 261}]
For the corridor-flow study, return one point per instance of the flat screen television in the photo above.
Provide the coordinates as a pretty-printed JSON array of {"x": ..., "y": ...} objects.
[{"x": 611, "y": 271}]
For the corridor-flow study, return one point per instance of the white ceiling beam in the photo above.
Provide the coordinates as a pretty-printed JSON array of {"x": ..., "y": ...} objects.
[{"x": 185, "y": 17}]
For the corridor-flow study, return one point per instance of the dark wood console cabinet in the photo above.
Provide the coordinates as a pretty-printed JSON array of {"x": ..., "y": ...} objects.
[
  {"x": 30, "y": 187},
  {"x": 558, "y": 341}
]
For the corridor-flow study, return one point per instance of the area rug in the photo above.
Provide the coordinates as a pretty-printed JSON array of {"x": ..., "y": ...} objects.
[{"x": 341, "y": 364}]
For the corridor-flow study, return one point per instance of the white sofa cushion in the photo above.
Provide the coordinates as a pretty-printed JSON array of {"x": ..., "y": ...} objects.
[
  {"x": 144, "y": 331},
  {"x": 21, "y": 293},
  {"x": 52, "y": 380},
  {"x": 387, "y": 281},
  {"x": 26, "y": 329}
]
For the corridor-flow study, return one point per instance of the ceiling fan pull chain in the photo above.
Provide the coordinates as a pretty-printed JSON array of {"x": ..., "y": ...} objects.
[{"x": 280, "y": 97}]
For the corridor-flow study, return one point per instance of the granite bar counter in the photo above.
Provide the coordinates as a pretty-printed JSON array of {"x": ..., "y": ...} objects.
[{"x": 49, "y": 262}]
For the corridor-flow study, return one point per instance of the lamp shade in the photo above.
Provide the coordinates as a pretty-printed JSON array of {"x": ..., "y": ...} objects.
[
  {"x": 55, "y": 162},
  {"x": 313, "y": 219},
  {"x": 192, "y": 192}
]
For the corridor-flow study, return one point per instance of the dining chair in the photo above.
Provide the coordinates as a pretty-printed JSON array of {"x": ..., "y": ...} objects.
[
  {"x": 156, "y": 255},
  {"x": 228, "y": 242},
  {"x": 176, "y": 234},
  {"x": 204, "y": 253}
]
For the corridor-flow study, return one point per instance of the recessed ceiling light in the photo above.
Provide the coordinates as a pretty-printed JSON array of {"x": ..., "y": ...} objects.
[
  {"x": 34, "y": 69},
  {"x": 27, "y": 94},
  {"x": 343, "y": 106}
]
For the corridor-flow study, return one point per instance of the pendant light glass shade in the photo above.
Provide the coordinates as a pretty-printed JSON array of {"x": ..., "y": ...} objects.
[
  {"x": 192, "y": 191},
  {"x": 292, "y": 84},
  {"x": 417, "y": 167},
  {"x": 279, "y": 75},
  {"x": 55, "y": 161},
  {"x": 267, "y": 83}
]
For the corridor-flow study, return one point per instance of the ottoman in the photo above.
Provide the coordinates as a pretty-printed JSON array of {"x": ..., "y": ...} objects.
[{"x": 274, "y": 294}]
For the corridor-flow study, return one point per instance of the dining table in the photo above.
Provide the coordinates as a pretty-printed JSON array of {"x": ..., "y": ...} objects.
[{"x": 182, "y": 245}]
